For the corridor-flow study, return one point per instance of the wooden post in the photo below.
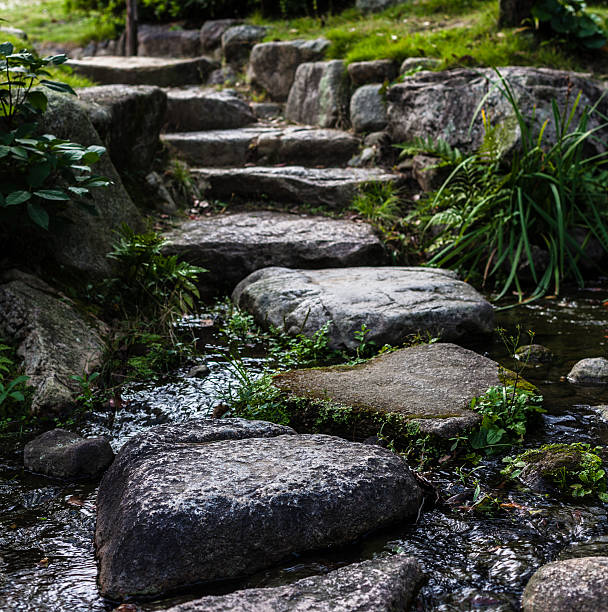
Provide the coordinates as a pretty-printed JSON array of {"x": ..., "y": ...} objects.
[
  {"x": 131, "y": 38},
  {"x": 513, "y": 12}
]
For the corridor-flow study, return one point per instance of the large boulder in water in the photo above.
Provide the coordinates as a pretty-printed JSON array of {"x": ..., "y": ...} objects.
[
  {"x": 52, "y": 337},
  {"x": 213, "y": 500},
  {"x": 565, "y": 586},
  {"x": 382, "y": 584},
  {"x": 393, "y": 302},
  {"x": 590, "y": 371},
  {"x": 442, "y": 104},
  {"x": 430, "y": 385}
]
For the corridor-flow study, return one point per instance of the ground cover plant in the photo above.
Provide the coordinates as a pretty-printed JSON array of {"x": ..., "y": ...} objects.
[{"x": 493, "y": 219}]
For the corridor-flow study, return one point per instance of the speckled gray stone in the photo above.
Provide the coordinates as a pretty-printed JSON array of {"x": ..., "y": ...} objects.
[
  {"x": 64, "y": 454},
  {"x": 385, "y": 584},
  {"x": 573, "y": 585},
  {"x": 591, "y": 371},
  {"x": 393, "y": 302},
  {"x": 368, "y": 109},
  {"x": 180, "y": 505},
  {"x": 233, "y": 246}
]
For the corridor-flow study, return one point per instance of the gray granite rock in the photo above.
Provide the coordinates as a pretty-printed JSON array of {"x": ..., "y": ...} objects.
[
  {"x": 223, "y": 76},
  {"x": 82, "y": 243},
  {"x": 194, "y": 109},
  {"x": 320, "y": 95},
  {"x": 264, "y": 145},
  {"x": 233, "y": 246},
  {"x": 331, "y": 187},
  {"x": 272, "y": 65},
  {"x": 393, "y": 302},
  {"x": 131, "y": 126},
  {"x": 368, "y": 109},
  {"x": 410, "y": 64},
  {"x": 377, "y": 71},
  {"x": 564, "y": 586},
  {"x": 162, "y": 41},
  {"x": 163, "y": 72},
  {"x": 238, "y": 41},
  {"x": 429, "y": 173},
  {"x": 384, "y": 584},
  {"x": 212, "y": 31},
  {"x": 220, "y": 499},
  {"x": 54, "y": 340},
  {"x": 534, "y": 354},
  {"x": 442, "y": 104},
  {"x": 432, "y": 385},
  {"x": 267, "y": 110},
  {"x": 64, "y": 454},
  {"x": 591, "y": 371}
]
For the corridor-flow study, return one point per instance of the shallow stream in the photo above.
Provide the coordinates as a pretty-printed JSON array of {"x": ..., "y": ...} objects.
[{"x": 474, "y": 561}]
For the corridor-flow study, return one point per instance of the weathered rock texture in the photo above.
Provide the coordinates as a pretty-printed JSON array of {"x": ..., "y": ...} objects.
[
  {"x": 331, "y": 187},
  {"x": 83, "y": 243},
  {"x": 377, "y": 71},
  {"x": 129, "y": 122},
  {"x": 368, "y": 109},
  {"x": 163, "y": 72},
  {"x": 161, "y": 41},
  {"x": 211, "y": 34},
  {"x": 442, "y": 104},
  {"x": 591, "y": 371},
  {"x": 384, "y": 585},
  {"x": 393, "y": 302},
  {"x": 564, "y": 586},
  {"x": 233, "y": 246},
  {"x": 432, "y": 385},
  {"x": 534, "y": 354},
  {"x": 418, "y": 64},
  {"x": 183, "y": 504},
  {"x": 63, "y": 454},
  {"x": 265, "y": 145},
  {"x": 195, "y": 109},
  {"x": 238, "y": 41},
  {"x": 272, "y": 65},
  {"x": 320, "y": 95},
  {"x": 54, "y": 340}
]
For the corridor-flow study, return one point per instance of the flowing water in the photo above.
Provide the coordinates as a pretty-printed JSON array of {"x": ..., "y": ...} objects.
[{"x": 474, "y": 561}]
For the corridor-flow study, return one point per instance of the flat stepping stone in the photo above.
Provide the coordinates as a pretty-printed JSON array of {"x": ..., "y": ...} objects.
[
  {"x": 393, "y": 302},
  {"x": 265, "y": 145},
  {"x": 386, "y": 583},
  {"x": 193, "y": 109},
  {"x": 331, "y": 187},
  {"x": 163, "y": 72},
  {"x": 233, "y": 246},
  {"x": 431, "y": 384},
  {"x": 217, "y": 499}
]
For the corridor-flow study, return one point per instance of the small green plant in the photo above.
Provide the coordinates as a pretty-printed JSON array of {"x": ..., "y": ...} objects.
[
  {"x": 255, "y": 398},
  {"x": 39, "y": 175},
  {"x": 570, "y": 19},
  {"x": 439, "y": 147},
  {"x": 491, "y": 222},
  {"x": 87, "y": 392},
  {"x": 12, "y": 387},
  {"x": 149, "y": 284},
  {"x": 575, "y": 470},
  {"x": 378, "y": 202}
]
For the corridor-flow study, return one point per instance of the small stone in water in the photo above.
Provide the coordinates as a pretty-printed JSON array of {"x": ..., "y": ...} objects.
[{"x": 199, "y": 371}]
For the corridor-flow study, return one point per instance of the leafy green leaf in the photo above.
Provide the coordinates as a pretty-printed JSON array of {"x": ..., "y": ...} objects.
[
  {"x": 38, "y": 215},
  {"x": 52, "y": 194},
  {"x": 17, "y": 197}
]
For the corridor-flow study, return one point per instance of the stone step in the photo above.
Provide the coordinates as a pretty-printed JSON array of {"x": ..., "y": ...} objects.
[
  {"x": 263, "y": 145},
  {"x": 163, "y": 72},
  {"x": 334, "y": 188},
  {"x": 232, "y": 246},
  {"x": 192, "y": 109}
]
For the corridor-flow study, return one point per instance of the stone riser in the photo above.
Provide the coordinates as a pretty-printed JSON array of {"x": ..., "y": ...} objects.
[
  {"x": 333, "y": 188},
  {"x": 263, "y": 146}
]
